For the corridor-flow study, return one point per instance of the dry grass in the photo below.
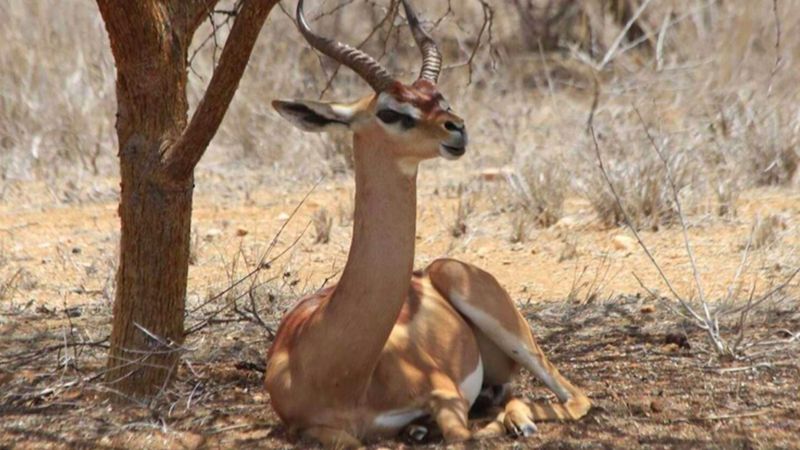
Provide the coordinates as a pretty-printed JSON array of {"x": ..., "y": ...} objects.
[
  {"x": 728, "y": 105},
  {"x": 541, "y": 186},
  {"x": 666, "y": 393},
  {"x": 323, "y": 223},
  {"x": 465, "y": 208}
]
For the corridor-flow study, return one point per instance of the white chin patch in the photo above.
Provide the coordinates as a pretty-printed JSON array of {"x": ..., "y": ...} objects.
[{"x": 408, "y": 166}]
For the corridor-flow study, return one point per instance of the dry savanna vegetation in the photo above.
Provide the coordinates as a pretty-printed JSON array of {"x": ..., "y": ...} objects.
[{"x": 632, "y": 180}]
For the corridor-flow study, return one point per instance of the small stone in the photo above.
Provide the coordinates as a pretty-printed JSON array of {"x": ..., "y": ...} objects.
[
  {"x": 638, "y": 409},
  {"x": 670, "y": 348},
  {"x": 283, "y": 217},
  {"x": 658, "y": 405},
  {"x": 212, "y": 234},
  {"x": 623, "y": 243},
  {"x": 647, "y": 309},
  {"x": 494, "y": 174},
  {"x": 241, "y": 232},
  {"x": 566, "y": 222},
  {"x": 678, "y": 338}
]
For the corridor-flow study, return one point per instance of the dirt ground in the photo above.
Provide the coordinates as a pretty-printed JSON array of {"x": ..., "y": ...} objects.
[{"x": 653, "y": 378}]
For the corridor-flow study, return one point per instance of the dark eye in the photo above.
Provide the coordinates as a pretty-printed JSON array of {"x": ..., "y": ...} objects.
[{"x": 391, "y": 116}]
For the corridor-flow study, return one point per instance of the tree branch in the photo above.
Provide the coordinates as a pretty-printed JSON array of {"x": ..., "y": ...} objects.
[
  {"x": 181, "y": 158},
  {"x": 198, "y": 10}
]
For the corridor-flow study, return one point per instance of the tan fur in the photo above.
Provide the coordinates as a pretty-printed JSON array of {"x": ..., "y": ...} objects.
[{"x": 383, "y": 346}]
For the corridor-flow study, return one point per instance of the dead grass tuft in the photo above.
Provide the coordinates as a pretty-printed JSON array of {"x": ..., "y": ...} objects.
[
  {"x": 767, "y": 230},
  {"x": 540, "y": 186},
  {"x": 323, "y": 223},
  {"x": 465, "y": 208},
  {"x": 641, "y": 180}
]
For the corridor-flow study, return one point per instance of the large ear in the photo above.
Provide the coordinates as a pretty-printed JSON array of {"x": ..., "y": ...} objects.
[{"x": 315, "y": 116}]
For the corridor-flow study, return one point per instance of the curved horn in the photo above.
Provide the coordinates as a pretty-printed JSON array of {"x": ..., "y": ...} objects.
[
  {"x": 361, "y": 63},
  {"x": 431, "y": 57}
]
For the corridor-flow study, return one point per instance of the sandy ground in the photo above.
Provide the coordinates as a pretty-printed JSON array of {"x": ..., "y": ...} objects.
[
  {"x": 575, "y": 282},
  {"x": 66, "y": 253}
]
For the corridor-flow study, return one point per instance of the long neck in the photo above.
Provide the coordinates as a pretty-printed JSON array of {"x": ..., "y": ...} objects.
[{"x": 376, "y": 277}]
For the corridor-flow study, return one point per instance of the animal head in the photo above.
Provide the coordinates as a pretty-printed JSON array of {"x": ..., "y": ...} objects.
[{"x": 409, "y": 120}]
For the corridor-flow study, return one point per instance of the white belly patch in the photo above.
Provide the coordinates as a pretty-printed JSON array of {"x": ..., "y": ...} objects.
[
  {"x": 471, "y": 386},
  {"x": 398, "y": 418}
]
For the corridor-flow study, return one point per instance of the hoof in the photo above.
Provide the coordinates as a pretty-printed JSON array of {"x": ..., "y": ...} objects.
[
  {"x": 417, "y": 433},
  {"x": 527, "y": 430}
]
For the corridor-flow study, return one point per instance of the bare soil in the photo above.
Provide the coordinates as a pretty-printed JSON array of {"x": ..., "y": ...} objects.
[{"x": 653, "y": 378}]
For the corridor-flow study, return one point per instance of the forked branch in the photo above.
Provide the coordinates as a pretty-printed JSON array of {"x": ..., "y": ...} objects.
[{"x": 181, "y": 158}]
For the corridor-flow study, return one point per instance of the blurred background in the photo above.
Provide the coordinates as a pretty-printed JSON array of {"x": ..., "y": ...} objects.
[{"x": 712, "y": 79}]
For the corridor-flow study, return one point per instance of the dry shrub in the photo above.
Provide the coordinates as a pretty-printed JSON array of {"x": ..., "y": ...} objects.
[
  {"x": 346, "y": 209},
  {"x": 520, "y": 226},
  {"x": 465, "y": 208},
  {"x": 707, "y": 72},
  {"x": 540, "y": 186},
  {"x": 772, "y": 160},
  {"x": 323, "y": 222},
  {"x": 727, "y": 193},
  {"x": 758, "y": 137},
  {"x": 767, "y": 230},
  {"x": 589, "y": 25},
  {"x": 57, "y": 86},
  {"x": 641, "y": 181}
]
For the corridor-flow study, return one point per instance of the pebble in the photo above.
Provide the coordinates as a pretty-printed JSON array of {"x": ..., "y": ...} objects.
[{"x": 623, "y": 243}]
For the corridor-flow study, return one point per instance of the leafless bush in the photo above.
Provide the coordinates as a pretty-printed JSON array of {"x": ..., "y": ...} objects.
[
  {"x": 640, "y": 178},
  {"x": 711, "y": 318},
  {"x": 766, "y": 231},
  {"x": 762, "y": 140},
  {"x": 346, "y": 209},
  {"x": 466, "y": 206},
  {"x": 540, "y": 187},
  {"x": 51, "y": 97},
  {"x": 520, "y": 226},
  {"x": 588, "y": 25},
  {"x": 588, "y": 285},
  {"x": 9, "y": 285},
  {"x": 727, "y": 193},
  {"x": 773, "y": 163},
  {"x": 323, "y": 223}
]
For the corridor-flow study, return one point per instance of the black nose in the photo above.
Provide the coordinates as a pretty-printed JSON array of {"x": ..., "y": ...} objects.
[{"x": 452, "y": 126}]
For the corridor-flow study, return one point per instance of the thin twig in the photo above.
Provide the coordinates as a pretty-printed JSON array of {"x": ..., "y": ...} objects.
[
  {"x": 629, "y": 224},
  {"x": 777, "y": 46},
  {"x": 611, "y": 53},
  {"x": 263, "y": 263},
  {"x": 488, "y": 20}
]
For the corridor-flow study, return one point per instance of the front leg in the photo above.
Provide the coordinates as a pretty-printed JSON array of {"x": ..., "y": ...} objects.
[{"x": 450, "y": 411}]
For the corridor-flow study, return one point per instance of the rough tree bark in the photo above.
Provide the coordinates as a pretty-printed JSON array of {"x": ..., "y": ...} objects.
[{"x": 158, "y": 151}]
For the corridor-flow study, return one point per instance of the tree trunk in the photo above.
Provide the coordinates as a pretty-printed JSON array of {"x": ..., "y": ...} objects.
[
  {"x": 155, "y": 212},
  {"x": 158, "y": 153},
  {"x": 152, "y": 274}
]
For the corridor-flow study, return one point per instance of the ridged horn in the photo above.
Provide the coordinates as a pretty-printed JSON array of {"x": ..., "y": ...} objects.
[
  {"x": 431, "y": 57},
  {"x": 361, "y": 63}
]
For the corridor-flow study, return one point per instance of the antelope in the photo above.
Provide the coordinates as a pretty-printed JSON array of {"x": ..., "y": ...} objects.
[{"x": 387, "y": 345}]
